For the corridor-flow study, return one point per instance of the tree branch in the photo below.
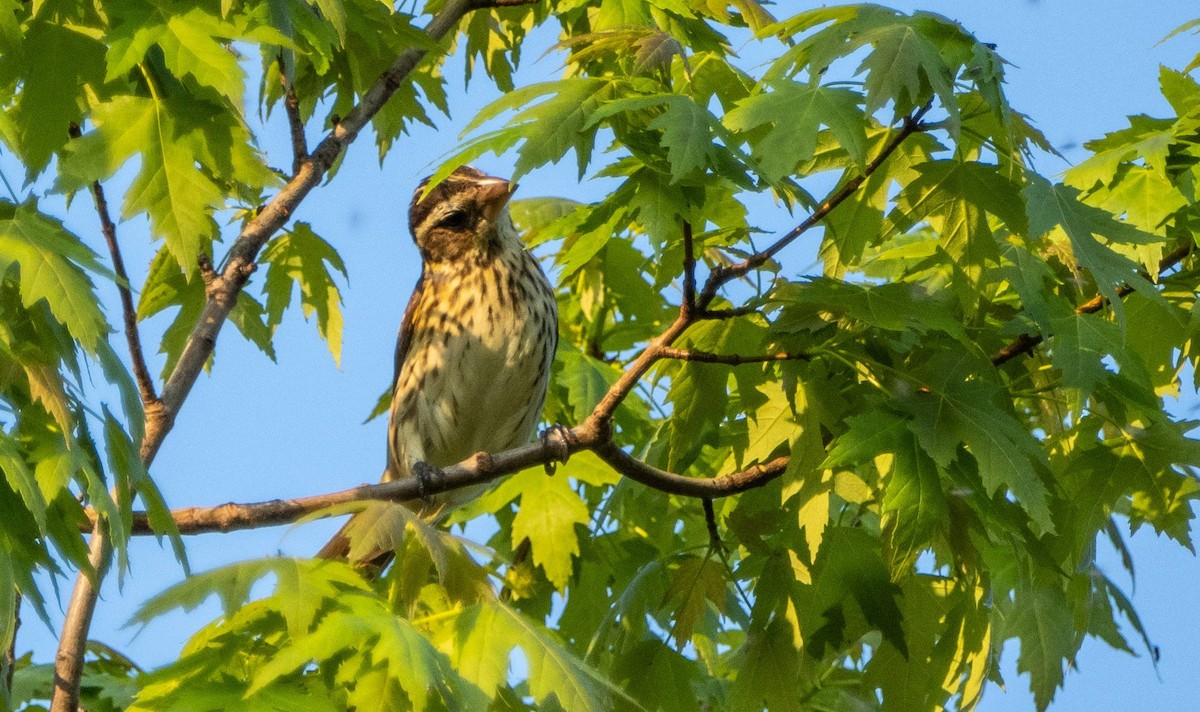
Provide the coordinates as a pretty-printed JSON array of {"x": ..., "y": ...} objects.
[
  {"x": 704, "y": 488},
  {"x": 291, "y": 104},
  {"x": 1026, "y": 343},
  {"x": 719, "y": 276},
  {"x": 133, "y": 339},
  {"x": 689, "y": 271},
  {"x": 68, "y": 661},
  {"x": 478, "y": 469},
  {"x": 10, "y": 651},
  {"x": 222, "y": 295}
]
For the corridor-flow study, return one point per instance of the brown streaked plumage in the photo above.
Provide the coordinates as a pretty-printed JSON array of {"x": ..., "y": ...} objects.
[{"x": 477, "y": 340}]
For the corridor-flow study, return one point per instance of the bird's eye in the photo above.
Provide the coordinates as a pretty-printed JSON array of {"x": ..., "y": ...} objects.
[{"x": 456, "y": 220}]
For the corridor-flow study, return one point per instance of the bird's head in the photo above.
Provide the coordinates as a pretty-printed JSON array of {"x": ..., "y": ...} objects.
[{"x": 463, "y": 217}]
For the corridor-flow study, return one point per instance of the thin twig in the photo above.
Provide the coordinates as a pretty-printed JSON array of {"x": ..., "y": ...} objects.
[
  {"x": 720, "y": 275},
  {"x": 141, "y": 373},
  {"x": 730, "y": 359},
  {"x": 710, "y": 520},
  {"x": 222, "y": 296},
  {"x": 291, "y": 105},
  {"x": 1026, "y": 343},
  {"x": 10, "y": 653},
  {"x": 689, "y": 270}
]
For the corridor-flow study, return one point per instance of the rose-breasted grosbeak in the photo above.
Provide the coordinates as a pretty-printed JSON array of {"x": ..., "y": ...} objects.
[{"x": 477, "y": 340}]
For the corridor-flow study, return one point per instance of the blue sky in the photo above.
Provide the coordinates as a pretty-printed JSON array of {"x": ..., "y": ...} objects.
[{"x": 257, "y": 430}]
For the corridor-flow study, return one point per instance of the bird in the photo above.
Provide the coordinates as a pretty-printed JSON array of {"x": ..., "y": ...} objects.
[{"x": 476, "y": 343}]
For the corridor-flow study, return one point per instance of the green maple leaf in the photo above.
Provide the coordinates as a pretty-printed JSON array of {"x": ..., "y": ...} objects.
[
  {"x": 693, "y": 137},
  {"x": 54, "y": 62},
  {"x": 546, "y": 130},
  {"x": 688, "y": 136},
  {"x": 962, "y": 407},
  {"x": 22, "y": 480},
  {"x": 1146, "y": 197},
  {"x": 1081, "y": 345},
  {"x": 955, "y": 196},
  {"x": 166, "y": 286},
  {"x": 586, "y": 380},
  {"x": 547, "y": 516},
  {"x": 849, "y": 568},
  {"x": 895, "y": 306},
  {"x": 658, "y": 677},
  {"x": 335, "y": 12},
  {"x": 796, "y": 113},
  {"x": 767, "y": 676},
  {"x": 1042, "y": 619},
  {"x": 914, "y": 502},
  {"x": 697, "y": 582},
  {"x": 486, "y": 634},
  {"x": 771, "y": 425},
  {"x": 905, "y": 61},
  {"x": 869, "y": 434},
  {"x": 176, "y": 196},
  {"x": 299, "y": 258},
  {"x": 698, "y": 395},
  {"x": 52, "y": 265},
  {"x": 1051, "y": 206},
  {"x": 194, "y": 44},
  {"x": 250, "y": 319},
  {"x": 1179, "y": 89},
  {"x": 1146, "y": 138}
]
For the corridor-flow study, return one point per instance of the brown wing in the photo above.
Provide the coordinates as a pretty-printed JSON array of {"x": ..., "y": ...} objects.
[
  {"x": 338, "y": 547},
  {"x": 404, "y": 338}
]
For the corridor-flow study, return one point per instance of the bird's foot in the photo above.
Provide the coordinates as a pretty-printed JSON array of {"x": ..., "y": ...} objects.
[
  {"x": 425, "y": 474},
  {"x": 559, "y": 446}
]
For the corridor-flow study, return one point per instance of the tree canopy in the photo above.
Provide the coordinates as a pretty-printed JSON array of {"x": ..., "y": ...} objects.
[{"x": 842, "y": 490}]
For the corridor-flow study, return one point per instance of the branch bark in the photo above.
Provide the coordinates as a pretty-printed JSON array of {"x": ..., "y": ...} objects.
[
  {"x": 137, "y": 357},
  {"x": 222, "y": 295},
  {"x": 10, "y": 651},
  {"x": 291, "y": 105},
  {"x": 478, "y": 469},
  {"x": 689, "y": 271}
]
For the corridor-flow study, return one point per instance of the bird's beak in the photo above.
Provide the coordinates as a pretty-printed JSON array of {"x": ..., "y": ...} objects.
[{"x": 495, "y": 195}]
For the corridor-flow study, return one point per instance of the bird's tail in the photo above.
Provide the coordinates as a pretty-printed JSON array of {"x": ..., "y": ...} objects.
[{"x": 338, "y": 546}]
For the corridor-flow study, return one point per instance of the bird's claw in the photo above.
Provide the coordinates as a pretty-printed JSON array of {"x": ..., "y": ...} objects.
[
  {"x": 558, "y": 446},
  {"x": 424, "y": 474}
]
